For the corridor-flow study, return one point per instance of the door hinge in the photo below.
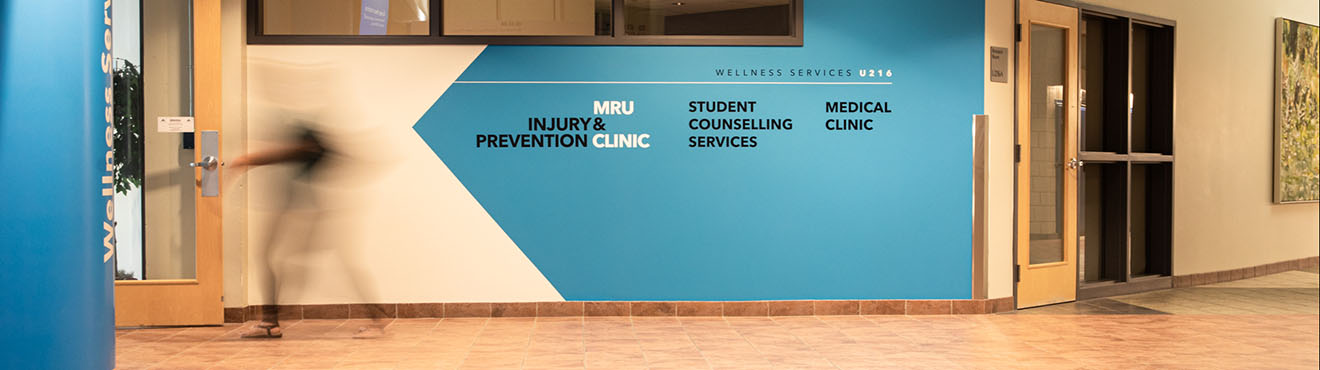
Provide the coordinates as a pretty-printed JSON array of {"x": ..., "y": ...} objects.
[
  {"x": 1017, "y": 32},
  {"x": 1017, "y": 153},
  {"x": 1017, "y": 273}
]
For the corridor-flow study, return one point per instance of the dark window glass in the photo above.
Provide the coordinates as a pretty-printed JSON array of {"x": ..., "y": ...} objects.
[
  {"x": 1152, "y": 94},
  {"x": 1140, "y": 85},
  {"x": 346, "y": 17},
  {"x": 1092, "y": 70},
  {"x": 709, "y": 17},
  {"x": 527, "y": 17},
  {"x": 1103, "y": 71}
]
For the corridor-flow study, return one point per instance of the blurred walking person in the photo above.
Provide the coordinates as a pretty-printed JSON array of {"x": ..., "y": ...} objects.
[{"x": 307, "y": 151}]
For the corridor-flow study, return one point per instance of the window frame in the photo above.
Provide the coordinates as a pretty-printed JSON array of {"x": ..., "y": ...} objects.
[{"x": 617, "y": 36}]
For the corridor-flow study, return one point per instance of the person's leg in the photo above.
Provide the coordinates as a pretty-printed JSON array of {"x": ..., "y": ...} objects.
[
  {"x": 366, "y": 293},
  {"x": 269, "y": 327}
]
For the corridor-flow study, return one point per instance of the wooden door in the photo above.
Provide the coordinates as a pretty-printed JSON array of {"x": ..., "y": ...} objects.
[
  {"x": 1048, "y": 166},
  {"x": 177, "y": 280}
]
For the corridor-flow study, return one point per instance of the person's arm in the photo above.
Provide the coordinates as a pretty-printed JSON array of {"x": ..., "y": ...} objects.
[
  {"x": 281, "y": 155},
  {"x": 236, "y": 167}
]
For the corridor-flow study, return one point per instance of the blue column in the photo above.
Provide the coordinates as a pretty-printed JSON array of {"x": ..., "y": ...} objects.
[{"x": 56, "y": 206}]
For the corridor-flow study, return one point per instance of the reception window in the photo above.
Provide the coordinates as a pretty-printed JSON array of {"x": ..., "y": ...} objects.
[
  {"x": 527, "y": 17},
  {"x": 709, "y": 18},
  {"x": 526, "y": 22},
  {"x": 345, "y": 17}
]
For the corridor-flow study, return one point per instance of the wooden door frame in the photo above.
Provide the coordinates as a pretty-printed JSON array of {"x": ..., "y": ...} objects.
[
  {"x": 1071, "y": 141},
  {"x": 146, "y": 302}
]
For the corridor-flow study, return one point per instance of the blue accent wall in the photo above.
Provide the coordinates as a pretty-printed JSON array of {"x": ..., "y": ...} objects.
[
  {"x": 54, "y": 279},
  {"x": 808, "y": 213}
]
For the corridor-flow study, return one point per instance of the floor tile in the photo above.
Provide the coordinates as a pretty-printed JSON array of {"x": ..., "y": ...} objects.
[{"x": 1270, "y": 321}]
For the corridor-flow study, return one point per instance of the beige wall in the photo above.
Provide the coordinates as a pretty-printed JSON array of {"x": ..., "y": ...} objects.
[
  {"x": 233, "y": 81},
  {"x": 393, "y": 223},
  {"x": 380, "y": 202},
  {"x": 1223, "y": 135},
  {"x": 999, "y": 20}
]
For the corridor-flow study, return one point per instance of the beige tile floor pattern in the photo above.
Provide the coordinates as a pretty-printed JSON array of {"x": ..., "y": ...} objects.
[
  {"x": 1292, "y": 292},
  {"x": 1181, "y": 341}
]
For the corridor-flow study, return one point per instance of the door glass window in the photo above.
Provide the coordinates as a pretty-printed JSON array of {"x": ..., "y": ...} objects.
[
  {"x": 154, "y": 186},
  {"x": 1048, "y": 119}
]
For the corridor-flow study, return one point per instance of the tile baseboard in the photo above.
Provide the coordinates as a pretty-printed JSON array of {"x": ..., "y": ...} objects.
[
  {"x": 711, "y": 308},
  {"x": 1215, "y": 277},
  {"x": 631, "y": 309}
]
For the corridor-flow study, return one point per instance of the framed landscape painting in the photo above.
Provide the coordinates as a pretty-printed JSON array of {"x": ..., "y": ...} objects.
[{"x": 1296, "y": 112}]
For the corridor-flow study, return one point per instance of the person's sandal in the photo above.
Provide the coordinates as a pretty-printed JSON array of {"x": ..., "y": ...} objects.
[{"x": 263, "y": 331}]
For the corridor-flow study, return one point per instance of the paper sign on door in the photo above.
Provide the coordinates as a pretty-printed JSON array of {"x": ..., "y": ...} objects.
[{"x": 174, "y": 124}]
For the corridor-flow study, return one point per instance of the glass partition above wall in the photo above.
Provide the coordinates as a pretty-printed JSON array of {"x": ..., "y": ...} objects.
[
  {"x": 527, "y": 22},
  {"x": 709, "y": 17},
  {"x": 346, "y": 17},
  {"x": 527, "y": 17}
]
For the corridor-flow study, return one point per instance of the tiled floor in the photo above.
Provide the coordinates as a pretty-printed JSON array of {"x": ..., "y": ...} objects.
[
  {"x": 1229, "y": 300},
  {"x": 1293, "y": 292},
  {"x": 1130, "y": 336}
]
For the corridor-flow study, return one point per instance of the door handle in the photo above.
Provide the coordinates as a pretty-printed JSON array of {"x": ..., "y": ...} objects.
[
  {"x": 209, "y": 145},
  {"x": 1074, "y": 163},
  {"x": 208, "y": 163}
]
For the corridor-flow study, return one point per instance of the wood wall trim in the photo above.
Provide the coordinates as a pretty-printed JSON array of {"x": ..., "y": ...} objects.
[
  {"x": 980, "y": 199},
  {"x": 157, "y": 282}
]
